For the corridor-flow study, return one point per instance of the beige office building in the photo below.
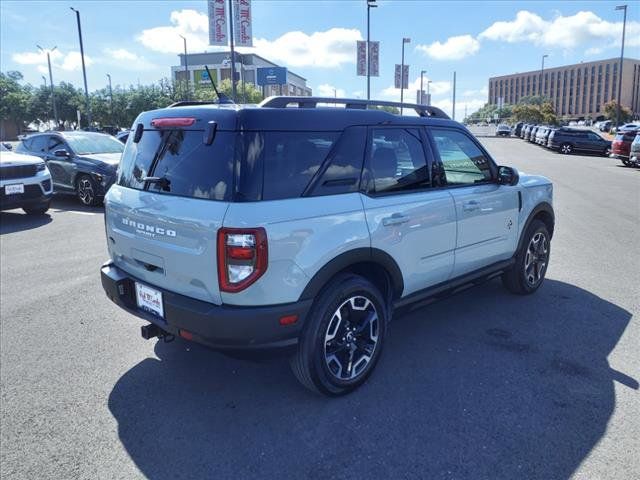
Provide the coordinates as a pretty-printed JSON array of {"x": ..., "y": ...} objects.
[{"x": 576, "y": 91}]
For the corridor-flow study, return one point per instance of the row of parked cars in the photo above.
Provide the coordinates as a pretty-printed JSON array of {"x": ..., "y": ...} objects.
[
  {"x": 567, "y": 140},
  {"x": 76, "y": 162}
]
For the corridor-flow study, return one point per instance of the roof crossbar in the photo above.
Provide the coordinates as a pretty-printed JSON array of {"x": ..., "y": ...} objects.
[{"x": 355, "y": 103}]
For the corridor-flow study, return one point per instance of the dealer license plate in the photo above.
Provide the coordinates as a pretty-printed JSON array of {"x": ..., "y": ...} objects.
[
  {"x": 149, "y": 299},
  {"x": 13, "y": 189}
]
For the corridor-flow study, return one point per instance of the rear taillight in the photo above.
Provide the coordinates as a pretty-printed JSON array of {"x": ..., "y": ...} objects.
[{"x": 242, "y": 257}]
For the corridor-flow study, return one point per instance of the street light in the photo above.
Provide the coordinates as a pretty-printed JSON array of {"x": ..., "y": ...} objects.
[
  {"x": 428, "y": 94},
  {"x": 44, "y": 79},
  {"x": 370, "y": 4},
  {"x": 110, "y": 98},
  {"x": 404, "y": 40},
  {"x": 624, "y": 26},
  {"x": 422, "y": 72},
  {"x": 53, "y": 97},
  {"x": 84, "y": 70},
  {"x": 542, "y": 75},
  {"x": 186, "y": 66}
]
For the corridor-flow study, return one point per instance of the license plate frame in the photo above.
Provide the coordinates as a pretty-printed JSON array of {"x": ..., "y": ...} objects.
[
  {"x": 14, "y": 189},
  {"x": 149, "y": 300}
]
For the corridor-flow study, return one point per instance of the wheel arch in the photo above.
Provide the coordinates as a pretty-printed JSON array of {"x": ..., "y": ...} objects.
[
  {"x": 543, "y": 212},
  {"x": 371, "y": 263}
]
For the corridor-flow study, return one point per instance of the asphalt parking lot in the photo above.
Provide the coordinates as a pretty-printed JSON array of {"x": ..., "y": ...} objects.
[{"x": 483, "y": 385}]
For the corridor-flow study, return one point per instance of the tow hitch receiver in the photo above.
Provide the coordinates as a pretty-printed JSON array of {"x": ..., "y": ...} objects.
[{"x": 151, "y": 331}]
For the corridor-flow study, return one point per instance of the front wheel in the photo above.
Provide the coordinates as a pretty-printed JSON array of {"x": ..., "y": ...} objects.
[
  {"x": 86, "y": 189},
  {"x": 343, "y": 337},
  {"x": 39, "y": 210},
  {"x": 527, "y": 274},
  {"x": 627, "y": 163},
  {"x": 566, "y": 148}
]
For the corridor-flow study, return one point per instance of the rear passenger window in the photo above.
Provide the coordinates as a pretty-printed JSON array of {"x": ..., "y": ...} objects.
[
  {"x": 397, "y": 161},
  {"x": 463, "y": 162},
  {"x": 38, "y": 144}
]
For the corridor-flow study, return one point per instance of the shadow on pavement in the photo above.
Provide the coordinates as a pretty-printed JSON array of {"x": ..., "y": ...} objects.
[
  {"x": 12, "y": 221},
  {"x": 481, "y": 385},
  {"x": 64, "y": 202}
]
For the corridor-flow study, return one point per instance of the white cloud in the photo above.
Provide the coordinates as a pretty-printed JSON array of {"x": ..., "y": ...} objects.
[
  {"x": 454, "y": 48},
  {"x": 120, "y": 54},
  {"x": 562, "y": 31},
  {"x": 191, "y": 24},
  {"x": 326, "y": 90},
  {"x": 484, "y": 91},
  {"x": 70, "y": 61},
  {"x": 127, "y": 60},
  {"x": 329, "y": 49},
  {"x": 593, "y": 51}
]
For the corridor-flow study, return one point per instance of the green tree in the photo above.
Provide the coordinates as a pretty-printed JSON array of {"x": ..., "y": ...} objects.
[
  {"x": 246, "y": 93},
  {"x": 610, "y": 110},
  {"x": 15, "y": 97},
  {"x": 527, "y": 113}
]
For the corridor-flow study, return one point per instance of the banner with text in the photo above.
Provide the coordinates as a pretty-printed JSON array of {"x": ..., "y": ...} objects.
[
  {"x": 217, "y": 22},
  {"x": 361, "y": 62},
  {"x": 400, "y": 78},
  {"x": 242, "y": 34},
  {"x": 374, "y": 59}
]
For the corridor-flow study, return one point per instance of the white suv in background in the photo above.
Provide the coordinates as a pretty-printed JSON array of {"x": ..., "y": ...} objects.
[{"x": 25, "y": 182}]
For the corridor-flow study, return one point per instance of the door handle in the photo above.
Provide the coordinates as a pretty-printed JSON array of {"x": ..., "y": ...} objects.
[
  {"x": 395, "y": 219},
  {"x": 470, "y": 206}
]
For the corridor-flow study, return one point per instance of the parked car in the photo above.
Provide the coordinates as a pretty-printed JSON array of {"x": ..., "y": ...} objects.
[
  {"x": 568, "y": 140},
  {"x": 605, "y": 126},
  {"x": 634, "y": 151},
  {"x": 544, "y": 140},
  {"x": 123, "y": 136},
  {"x": 81, "y": 163},
  {"x": 262, "y": 228},
  {"x": 503, "y": 130},
  {"x": 527, "y": 131},
  {"x": 539, "y": 134},
  {"x": 532, "y": 133},
  {"x": 621, "y": 146},
  {"x": 25, "y": 183},
  {"x": 517, "y": 129},
  {"x": 628, "y": 126}
]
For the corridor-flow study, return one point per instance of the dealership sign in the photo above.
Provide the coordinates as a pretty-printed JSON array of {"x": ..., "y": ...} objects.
[
  {"x": 272, "y": 76},
  {"x": 399, "y": 76},
  {"x": 217, "y": 22},
  {"x": 374, "y": 57},
  {"x": 361, "y": 48},
  {"x": 242, "y": 23}
]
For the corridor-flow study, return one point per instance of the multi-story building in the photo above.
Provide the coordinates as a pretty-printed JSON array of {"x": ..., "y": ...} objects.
[
  {"x": 576, "y": 91},
  {"x": 247, "y": 65}
]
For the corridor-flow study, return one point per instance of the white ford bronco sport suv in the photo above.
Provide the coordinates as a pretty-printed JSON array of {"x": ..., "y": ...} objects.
[{"x": 299, "y": 227}]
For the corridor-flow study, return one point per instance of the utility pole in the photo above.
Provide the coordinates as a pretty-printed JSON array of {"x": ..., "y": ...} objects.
[
  {"x": 233, "y": 55},
  {"x": 370, "y": 4},
  {"x": 404, "y": 40},
  {"x": 624, "y": 26},
  {"x": 53, "y": 97},
  {"x": 110, "y": 98},
  {"x": 542, "y": 75},
  {"x": 422, "y": 72},
  {"x": 186, "y": 67},
  {"x": 453, "y": 109},
  {"x": 84, "y": 70}
]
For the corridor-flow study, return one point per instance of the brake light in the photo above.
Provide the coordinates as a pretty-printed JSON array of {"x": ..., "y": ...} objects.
[
  {"x": 173, "y": 122},
  {"x": 242, "y": 257}
]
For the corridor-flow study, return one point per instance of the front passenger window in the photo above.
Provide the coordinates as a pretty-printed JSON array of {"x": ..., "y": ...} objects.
[{"x": 463, "y": 162}]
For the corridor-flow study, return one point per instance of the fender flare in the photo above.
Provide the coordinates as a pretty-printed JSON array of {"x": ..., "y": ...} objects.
[
  {"x": 541, "y": 207},
  {"x": 353, "y": 257}
]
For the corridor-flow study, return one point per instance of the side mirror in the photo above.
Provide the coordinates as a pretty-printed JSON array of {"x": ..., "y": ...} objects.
[
  {"x": 508, "y": 176},
  {"x": 61, "y": 153}
]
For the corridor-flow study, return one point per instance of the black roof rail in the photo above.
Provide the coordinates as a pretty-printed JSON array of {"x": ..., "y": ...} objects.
[
  {"x": 356, "y": 103},
  {"x": 187, "y": 103}
]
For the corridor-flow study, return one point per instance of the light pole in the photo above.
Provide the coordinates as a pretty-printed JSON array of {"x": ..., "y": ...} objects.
[
  {"x": 422, "y": 72},
  {"x": 404, "y": 40},
  {"x": 110, "y": 98},
  {"x": 624, "y": 26},
  {"x": 44, "y": 79},
  {"x": 233, "y": 55},
  {"x": 542, "y": 74},
  {"x": 453, "y": 108},
  {"x": 53, "y": 97},
  {"x": 186, "y": 67},
  {"x": 370, "y": 4},
  {"x": 84, "y": 70}
]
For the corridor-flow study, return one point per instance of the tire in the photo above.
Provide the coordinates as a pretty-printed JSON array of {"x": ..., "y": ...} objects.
[
  {"x": 566, "y": 148},
  {"x": 39, "y": 210},
  {"x": 532, "y": 260},
  {"x": 605, "y": 152},
  {"x": 86, "y": 190},
  {"x": 362, "y": 322},
  {"x": 627, "y": 163}
]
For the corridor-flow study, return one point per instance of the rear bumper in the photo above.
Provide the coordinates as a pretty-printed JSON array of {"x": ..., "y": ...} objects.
[
  {"x": 222, "y": 327},
  {"x": 619, "y": 156}
]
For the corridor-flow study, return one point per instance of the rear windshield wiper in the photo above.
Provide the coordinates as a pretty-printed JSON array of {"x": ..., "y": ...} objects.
[{"x": 163, "y": 182}]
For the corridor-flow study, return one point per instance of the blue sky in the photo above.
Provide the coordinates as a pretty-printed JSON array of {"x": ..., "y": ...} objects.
[{"x": 137, "y": 40}]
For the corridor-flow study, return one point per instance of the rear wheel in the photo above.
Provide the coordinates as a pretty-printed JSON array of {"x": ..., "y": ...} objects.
[
  {"x": 343, "y": 337},
  {"x": 528, "y": 272},
  {"x": 86, "y": 190},
  {"x": 626, "y": 163},
  {"x": 566, "y": 148}
]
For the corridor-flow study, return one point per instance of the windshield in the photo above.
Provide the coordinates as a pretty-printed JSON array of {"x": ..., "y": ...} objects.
[{"x": 88, "y": 143}]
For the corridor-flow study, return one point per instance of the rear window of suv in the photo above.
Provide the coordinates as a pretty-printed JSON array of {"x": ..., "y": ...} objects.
[{"x": 189, "y": 167}]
